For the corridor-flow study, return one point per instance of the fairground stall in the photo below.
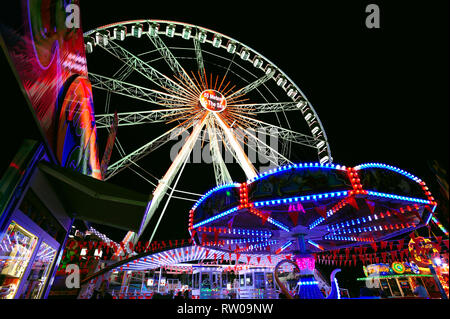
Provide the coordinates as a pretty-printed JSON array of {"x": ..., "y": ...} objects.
[
  {"x": 297, "y": 216},
  {"x": 189, "y": 269},
  {"x": 399, "y": 279},
  {"x": 33, "y": 227},
  {"x": 309, "y": 208}
]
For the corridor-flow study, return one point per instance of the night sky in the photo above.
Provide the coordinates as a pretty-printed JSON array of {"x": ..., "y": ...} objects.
[{"x": 382, "y": 95}]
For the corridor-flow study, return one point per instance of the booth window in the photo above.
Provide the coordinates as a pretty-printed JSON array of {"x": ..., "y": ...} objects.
[
  {"x": 39, "y": 273},
  {"x": 17, "y": 247},
  {"x": 35, "y": 209},
  {"x": 259, "y": 280},
  {"x": 249, "y": 279}
]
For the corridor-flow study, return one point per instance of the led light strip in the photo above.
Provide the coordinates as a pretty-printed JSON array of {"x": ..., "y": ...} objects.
[
  {"x": 441, "y": 227},
  {"x": 270, "y": 220},
  {"x": 393, "y": 276},
  {"x": 330, "y": 213},
  {"x": 403, "y": 198},
  {"x": 300, "y": 198},
  {"x": 286, "y": 245},
  {"x": 373, "y": 229},
  {"x": 296, "y": 166},
  {"x": 307, "y": 283},
  {"x": 257, "y": 246},
  {"x": 402, "y": 172},
  {"x": 234, "y": 241},
  {"x": 223, "y": 214},
  {"x": 346, "y": 238},
  {"x": 237, "y": 231},
  {"x": 362, "y": 220},
  {"x": 315, "y": 244},
  {"x": 389, "y": 167},
  {"x": 232, "y": 185}
]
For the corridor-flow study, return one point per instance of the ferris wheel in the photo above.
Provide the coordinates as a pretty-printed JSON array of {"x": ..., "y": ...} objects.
[{"x": 207, "y": 86}]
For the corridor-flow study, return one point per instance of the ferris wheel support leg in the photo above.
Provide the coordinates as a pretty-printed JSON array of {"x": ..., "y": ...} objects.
[
  {"x": 220, "y": 170},
  {"x": 243, "y": 160},
  {"x": 165, "y": 182}
]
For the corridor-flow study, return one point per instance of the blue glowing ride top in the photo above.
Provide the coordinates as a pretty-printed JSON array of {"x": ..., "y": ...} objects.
[{"x": 330, "y": 206}]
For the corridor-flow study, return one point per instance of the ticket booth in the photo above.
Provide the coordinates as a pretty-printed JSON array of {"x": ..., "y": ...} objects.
[
  {"x": 33, "y": 227},
  {"x": 257, "y": 283},
  {"x": 208, "y": 282},
  {"x": 38, "y": 204}
]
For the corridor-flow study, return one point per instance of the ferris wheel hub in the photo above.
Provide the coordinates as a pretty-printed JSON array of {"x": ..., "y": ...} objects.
[{"x": 213, "y": 101}]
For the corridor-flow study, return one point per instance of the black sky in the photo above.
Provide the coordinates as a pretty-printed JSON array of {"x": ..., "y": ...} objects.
[{"x": 382, "y": 95}]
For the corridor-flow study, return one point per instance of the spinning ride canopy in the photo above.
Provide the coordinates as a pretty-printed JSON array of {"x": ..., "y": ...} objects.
[{"x": 329, "y": 206}]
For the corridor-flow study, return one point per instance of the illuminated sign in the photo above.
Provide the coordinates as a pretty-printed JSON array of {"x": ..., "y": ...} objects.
[
  {"x": 423, "y": 251},
  {"x": 377, "y": 269},
  {"x": 213, "y": 101},
  {"x": 398, "y": 268},
  {"x": 414, "y": 268}
]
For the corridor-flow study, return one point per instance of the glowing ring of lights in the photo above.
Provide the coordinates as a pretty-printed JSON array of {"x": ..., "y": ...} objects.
[
  {"x": 184, "y": 61},
  {"x": 253, "y": 63},
  {"x": 398, "y": 268},
  {"x": 332, "y": 218}
]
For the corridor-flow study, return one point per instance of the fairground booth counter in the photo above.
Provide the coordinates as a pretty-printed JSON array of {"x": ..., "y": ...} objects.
[
  {"x": 304, "y": 215},
  {"x": 400, "y": 279},
  {"x": 33, "y": 227},
  {"x": 38, "y": 205}
]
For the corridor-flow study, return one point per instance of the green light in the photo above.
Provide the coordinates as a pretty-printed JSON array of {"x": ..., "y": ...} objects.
[
  {"x": 228, "y": 193},
  {"x": 393, "y": 276}
]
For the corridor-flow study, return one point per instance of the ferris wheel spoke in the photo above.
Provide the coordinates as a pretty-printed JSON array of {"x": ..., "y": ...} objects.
[
  {"x": 122, "y": 152},
  {"x": 170, "y": 59},
  {"x": 167, "y": 179},
  {"x": 136, "y": 118},
  {"x": 144, "y": 150},
  {"x": 134, "y": 91},
  {"x": 121, "y": 74},
  {"x": 268, "y": 107},
  {"x": 199, "y": 55},
  {"x": 221, "y": 172},
  {"x": 250, "y": 87},
  {"x": 137, "y": 64},
  {"x": 241, "y": 157},
  {"x": 285, "y": 134},
  {"x": 251, "y": 144},
  {"x": 269, "y": 152}
]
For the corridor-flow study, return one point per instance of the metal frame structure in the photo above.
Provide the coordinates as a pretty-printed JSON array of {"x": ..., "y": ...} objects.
[{"x": 179, "y": 93}]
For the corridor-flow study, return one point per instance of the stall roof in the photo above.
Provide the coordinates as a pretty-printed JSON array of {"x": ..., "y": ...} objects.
[{"x": 96, "y": 201}]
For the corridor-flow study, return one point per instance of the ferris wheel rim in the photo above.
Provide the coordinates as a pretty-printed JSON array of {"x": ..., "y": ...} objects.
[
  {"x": 256, "y": 61},
  {"x": 328, "y": 156}
]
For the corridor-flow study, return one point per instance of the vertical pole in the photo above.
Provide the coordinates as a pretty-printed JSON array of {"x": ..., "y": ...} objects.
[
  {"x": 438, "y": 282},
  {"x": 159, "y": 280},
  {"x": 301, "y": 243}
]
